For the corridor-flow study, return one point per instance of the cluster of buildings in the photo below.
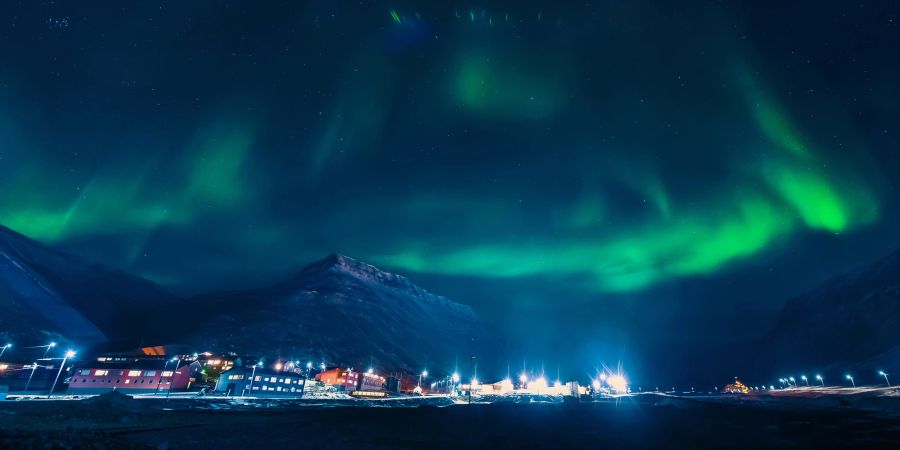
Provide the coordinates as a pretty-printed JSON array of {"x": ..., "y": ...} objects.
[{"x": 153, "y": 371}]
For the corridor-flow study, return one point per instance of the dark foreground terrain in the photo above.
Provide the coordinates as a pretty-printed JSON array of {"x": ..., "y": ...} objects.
[{"x": 636, "y": 422}]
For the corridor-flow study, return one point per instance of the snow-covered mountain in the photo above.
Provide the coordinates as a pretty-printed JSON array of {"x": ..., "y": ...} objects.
[
  {"x": 851, "y": 319},
  {"x": 340, "y": 310},
  {"x": 49, "y": 295}
]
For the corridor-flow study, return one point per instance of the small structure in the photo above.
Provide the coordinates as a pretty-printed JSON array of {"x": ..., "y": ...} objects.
[
  {"x": 135, "y": 376},
  {"x": 736, "y": 388},
  {"x": 244, "y": 381}
]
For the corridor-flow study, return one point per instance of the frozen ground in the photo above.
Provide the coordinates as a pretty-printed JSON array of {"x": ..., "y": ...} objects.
[{"x": 864, "y": 420}]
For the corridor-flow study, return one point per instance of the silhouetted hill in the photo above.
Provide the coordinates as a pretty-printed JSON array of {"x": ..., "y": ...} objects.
[
  {"x": 48, "y": 294},
  {"x": 344, "y": 311},
  {"x": 851, "y": 319}
]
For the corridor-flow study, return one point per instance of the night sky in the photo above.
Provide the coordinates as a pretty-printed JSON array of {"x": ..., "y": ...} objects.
[{"x": 610, "y": 178}]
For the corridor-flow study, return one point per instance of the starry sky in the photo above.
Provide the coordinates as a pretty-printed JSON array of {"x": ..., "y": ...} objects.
[{"x": 603, "y": 175}]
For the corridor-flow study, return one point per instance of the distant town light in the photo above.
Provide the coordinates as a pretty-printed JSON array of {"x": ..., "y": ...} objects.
[
  {"x": 602, "y": 377},
  {"x": 618, "y": 383},
  {"x": 523, "y": 378},
  {"x": 70, "y": 353},
  {"x": 455, "y": 377}
]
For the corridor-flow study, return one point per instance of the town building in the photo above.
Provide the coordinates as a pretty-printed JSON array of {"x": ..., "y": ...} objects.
[
  {"x": 349, "y": 380},
  {"x": 133, "y": 376},
  {"x": 245, "y": 381}
]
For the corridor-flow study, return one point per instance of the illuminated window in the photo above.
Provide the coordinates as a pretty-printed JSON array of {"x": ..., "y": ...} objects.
[
  {"x": 134, "y": 373},
  {"x": 150, "y": 373},
  {"x": 83, "y": 372},
  {"x": 100, "y": 373},
  {"x": 167, "y": 373},
  {"x": 257, "y": 378},
  {"x": 127, "y": 381}
]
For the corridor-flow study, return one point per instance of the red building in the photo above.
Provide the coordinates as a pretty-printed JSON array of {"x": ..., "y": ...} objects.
[
  {"x": 138, "y": 376},
  {"x": 351, "y": 380}
]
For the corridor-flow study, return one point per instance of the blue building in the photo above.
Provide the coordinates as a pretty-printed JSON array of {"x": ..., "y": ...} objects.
[{"x": 243, "y": 381}]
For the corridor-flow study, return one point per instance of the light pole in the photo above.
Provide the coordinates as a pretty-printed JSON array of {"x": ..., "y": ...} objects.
[
  {"x": 851, "y": 380},
  {"x": 174, "y": 372},
  {"x": 424, "y": 374},
  {"x": 881, "y": 372},
  {"x": 28, "y": 383},
  {"x": 68, "y": 355},
  {"x": 803, "y": 377},
  {"x": 3, "y": 349},
  {"x": 793, "y": 381},
  {"x": 253, "y": 376},
  {"x": 165, "y": 366},
  {"x": 819, "y": 377},
  {"x": 49, "y": 346}
]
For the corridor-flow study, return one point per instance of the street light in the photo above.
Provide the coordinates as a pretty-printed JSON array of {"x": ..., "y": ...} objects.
[
  {"x": 793, "y": 381},
  {"x": 68, "y": 355},
  {"x": 253, "y": 376},
  {"x": 3, "y": 349},
  {"x": 49, "y": 346},
  {"x": 174, "y": 372},
  {"x": 424, "y": 374},
  {"x": 165, "y": 366},
  {"x": 524, "y": 380},
  {"x": 803, "y": 377},
  {"x": 881, "y": 372},
  {"x": 455, "y": 377},
  {"x": 851, "y": 380},
  {"x": 34, "y": 366},
  {"x": 819, "y": 377}
]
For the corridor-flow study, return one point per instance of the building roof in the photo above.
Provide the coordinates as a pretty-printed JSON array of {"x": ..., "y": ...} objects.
[{"x": 136, "y": 364}]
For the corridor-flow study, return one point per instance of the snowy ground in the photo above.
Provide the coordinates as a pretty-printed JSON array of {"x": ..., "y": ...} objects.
[{"x": 863, "y": 418}]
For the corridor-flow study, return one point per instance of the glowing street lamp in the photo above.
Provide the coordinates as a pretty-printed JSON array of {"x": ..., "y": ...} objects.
[
  {"x": 455, "y": 377},
  {"x": 68, "y": 355},
  {"x": 370, "y": 371},
  {"x": 174, "y": 372},
  {"x": 34, "y": 367},
  {"x": 523, "y": 379},
  {"x": 252, "y": 377},
  {"x": 792, "y": 380},
  {"x": 803, "y": 377},
  {"x": 819, "y": 377},
  {"x": 424, "y": 374},
  {"x": 3, "y": 349},
  {"x": 851, "y": 380},
  {"x": 881, "y": 372},
  {"x": 49, "y": 346}
]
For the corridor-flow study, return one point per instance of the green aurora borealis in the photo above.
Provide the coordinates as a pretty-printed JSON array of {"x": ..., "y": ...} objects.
[{"x": 616, "y": 147}]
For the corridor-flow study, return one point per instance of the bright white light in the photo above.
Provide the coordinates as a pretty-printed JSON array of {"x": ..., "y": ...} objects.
[
  {"x": 557, "y": 384},
  {"x": 424, "y": 373},
  {"x": 53, "y": 344},
  {"x": 523, "y": 378},
  {"x": 309, "y": 365},
  {"x": 70, "y": 353},
  {"x": 602, "y": 377},
  {"x": 802, "y": 377},
  {"x": 474, "y": 381},
  {"x": 455, "y": 377},
  {"x": 278, "y": 366},
  {"x": 506, "y": 384},
  {"x": 596, "y": 384},
  {"x": 370, "y": 371},
  {"x": 881, "y": 372},
  {"x": 540, "y": 383},
  {"x": 618, "y": 383},
  {"x": 849, "y": 377},
  {"x": 818, "y": 377}
]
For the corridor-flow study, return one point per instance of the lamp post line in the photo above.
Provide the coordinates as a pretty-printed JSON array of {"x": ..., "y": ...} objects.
[
  {"x": 886, "y": 380},
  {"x": 3, "y": 349}
]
